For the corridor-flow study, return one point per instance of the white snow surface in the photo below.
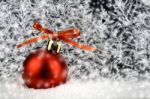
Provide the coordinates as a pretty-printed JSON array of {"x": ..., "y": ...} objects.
[{"x": 75, "y": 89}]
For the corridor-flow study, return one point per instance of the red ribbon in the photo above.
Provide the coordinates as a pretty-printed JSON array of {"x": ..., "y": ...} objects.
[{"x": 62, "y": 35}]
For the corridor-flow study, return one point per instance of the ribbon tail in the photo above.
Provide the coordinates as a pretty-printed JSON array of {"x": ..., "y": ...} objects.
[
  {"x": 34, "y": 39},
  {"x": 82, "y": 46}
]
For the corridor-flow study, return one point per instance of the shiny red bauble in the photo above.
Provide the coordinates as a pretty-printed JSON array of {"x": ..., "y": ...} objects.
[{"x": 44, "y": 69}]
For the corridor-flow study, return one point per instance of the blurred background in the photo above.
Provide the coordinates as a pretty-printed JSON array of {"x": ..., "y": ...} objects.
[{"x": 120, "y": 29}]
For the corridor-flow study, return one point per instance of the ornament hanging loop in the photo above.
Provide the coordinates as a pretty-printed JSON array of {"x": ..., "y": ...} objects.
[{"x": 54, "y": 46}]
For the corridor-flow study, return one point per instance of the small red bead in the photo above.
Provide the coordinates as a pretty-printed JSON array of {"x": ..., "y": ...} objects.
[{"x": 44, "y": 69}]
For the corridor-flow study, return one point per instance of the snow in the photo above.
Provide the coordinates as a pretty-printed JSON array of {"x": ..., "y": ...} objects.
[{"x": 76, "y": 89}]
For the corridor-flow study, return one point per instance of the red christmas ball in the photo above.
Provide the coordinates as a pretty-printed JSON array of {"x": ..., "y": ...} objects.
[{"x": 44, "y": 69}]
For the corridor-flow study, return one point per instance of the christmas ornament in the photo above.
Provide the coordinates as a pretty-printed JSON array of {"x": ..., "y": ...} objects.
[{"x": 46, "y": 68}]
